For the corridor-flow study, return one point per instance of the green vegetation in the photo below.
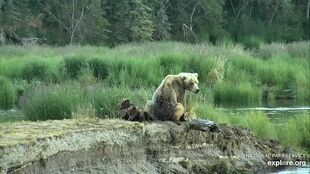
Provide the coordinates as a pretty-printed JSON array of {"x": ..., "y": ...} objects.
[
  {"x": 272, "y": 63},
  {"x": 242, "y": 92},
  {"x": 106, "y": 100},
  {"x": 74, "y": 66},
  {"x": 7, "y": 93},
  {"x": 52, "y": 103},
  {"x": 75, "y": 81},
  {"x": 11, "y": 117},
  {"x": 115, "y": 22},
  {"x": 294, "y": 132},
  {"x": 99, "y": 68},
  {"x": 227, "y": 72},
  {"x": 35, "y": 71}
]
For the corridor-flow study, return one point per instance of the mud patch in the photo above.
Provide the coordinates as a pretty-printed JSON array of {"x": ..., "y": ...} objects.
[{"x": 117, "y": 146}]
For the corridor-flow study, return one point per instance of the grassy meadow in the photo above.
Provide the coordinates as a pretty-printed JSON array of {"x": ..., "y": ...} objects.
[{"x": 90, "y": 81}]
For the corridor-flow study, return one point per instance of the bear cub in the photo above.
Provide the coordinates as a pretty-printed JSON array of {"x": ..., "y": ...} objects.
[{"x": 131, "y": 113}]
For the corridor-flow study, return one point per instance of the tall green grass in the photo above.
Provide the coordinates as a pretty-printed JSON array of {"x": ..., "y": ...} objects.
[
  {"x": 44, "y": 103},
  {"x": 35, "y": 71},
  {"x": 227, "y": 73},
  {"x": 61, "y": 82},
  {"x": 294, "y": 132},
  {"x": 243, "y": 92},
  {"x": 295, "y": 49},
  {"x": 99, "y": 68},
  {"x": 7, "y": 93},
  {"x": 106, "y": 100}
]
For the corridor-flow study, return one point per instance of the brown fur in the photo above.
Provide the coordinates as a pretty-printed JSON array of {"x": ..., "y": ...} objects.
[
  {"x": 168, "y": 102},
  {"x": 138, "y": 115},
  {"x": 131, "y": 113}
]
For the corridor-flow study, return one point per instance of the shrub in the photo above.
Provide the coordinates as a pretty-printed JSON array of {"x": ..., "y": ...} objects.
[
  {"x": 7, "y": 93},
  {"x": 74, "y": 66},
  {"x": 99, "y": 68},
  {"x": 35, "y": 71},
  {"x": 51, "y": 103}
]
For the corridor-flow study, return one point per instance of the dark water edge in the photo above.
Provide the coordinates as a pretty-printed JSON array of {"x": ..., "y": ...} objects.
[
  {"x": 276, "y": 110},
  {"x": 11, "y": 115},
  {"x": 265, "y": 103},
  {"x": 287, "y": 170}
]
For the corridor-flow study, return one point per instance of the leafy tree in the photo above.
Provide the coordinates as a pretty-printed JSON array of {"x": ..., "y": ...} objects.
[
  {"x": 114, "y": 22},
  {"x": 189, "y": 18},
  {"x": 162, "y": 27},
  {"x": 71, "y": 19},
  {"x": 129, "y": 20}
]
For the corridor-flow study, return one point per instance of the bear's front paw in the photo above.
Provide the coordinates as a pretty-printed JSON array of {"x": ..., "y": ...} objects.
[{"x": 186, "y": 114}]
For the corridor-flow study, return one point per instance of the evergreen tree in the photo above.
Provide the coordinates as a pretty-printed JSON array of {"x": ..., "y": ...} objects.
[
  {"x": 160, "y": 21},
  {"x": 114, "y": 22},
  {"x": 129, "y": 20}
]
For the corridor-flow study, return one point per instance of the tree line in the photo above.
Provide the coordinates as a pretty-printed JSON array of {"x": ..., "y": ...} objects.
[{"x": 113, "y": 22}]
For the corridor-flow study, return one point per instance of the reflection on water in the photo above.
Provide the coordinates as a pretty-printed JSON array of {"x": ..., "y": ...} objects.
[
  {"x": 291, "y": 109},
  {"x": 11, "y": 115},
  {"x": 299, "y": 170},
  {"x": 277, "y": 113},
  {"x": 266, "y": 104},
  {"x": 276, "y": 110}
]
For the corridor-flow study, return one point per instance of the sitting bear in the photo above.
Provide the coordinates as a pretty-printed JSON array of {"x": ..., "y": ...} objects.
[{"x": 168, "y": 101}]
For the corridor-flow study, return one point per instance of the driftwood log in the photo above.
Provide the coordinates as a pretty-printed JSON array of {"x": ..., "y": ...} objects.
[
  {"x": 131, "y": 113},
  {"x": 202, "y": 125}
]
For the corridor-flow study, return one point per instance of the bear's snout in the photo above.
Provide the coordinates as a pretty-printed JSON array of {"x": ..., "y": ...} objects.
[{"x": 197, "y": 91}]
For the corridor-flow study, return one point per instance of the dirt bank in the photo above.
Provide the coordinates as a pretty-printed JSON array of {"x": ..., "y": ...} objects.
[{"x": 116, "y": 146}]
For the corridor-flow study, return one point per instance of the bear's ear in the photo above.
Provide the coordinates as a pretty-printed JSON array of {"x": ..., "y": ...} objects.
[
  {"x": 183, "y": 77},
  {"x": 196, "y": 74}
]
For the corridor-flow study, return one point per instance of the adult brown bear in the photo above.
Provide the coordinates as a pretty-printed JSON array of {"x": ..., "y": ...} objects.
[{"x": 168, "y": 101}]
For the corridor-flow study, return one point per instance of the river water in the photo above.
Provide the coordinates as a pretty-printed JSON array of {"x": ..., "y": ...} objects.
[
  {"x": 276, "y": 111},
  {"x": 296, "y": 170}
]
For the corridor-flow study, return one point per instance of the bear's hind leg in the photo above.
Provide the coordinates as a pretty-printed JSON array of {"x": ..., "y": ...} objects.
[{"x": 179, "y": 112}]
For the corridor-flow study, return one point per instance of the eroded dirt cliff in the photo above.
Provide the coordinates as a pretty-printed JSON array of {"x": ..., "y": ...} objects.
[{"x": 117, "y": 146}]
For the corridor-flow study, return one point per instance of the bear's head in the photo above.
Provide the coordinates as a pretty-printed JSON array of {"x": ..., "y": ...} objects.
[{"x": 190, "y": 81}]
